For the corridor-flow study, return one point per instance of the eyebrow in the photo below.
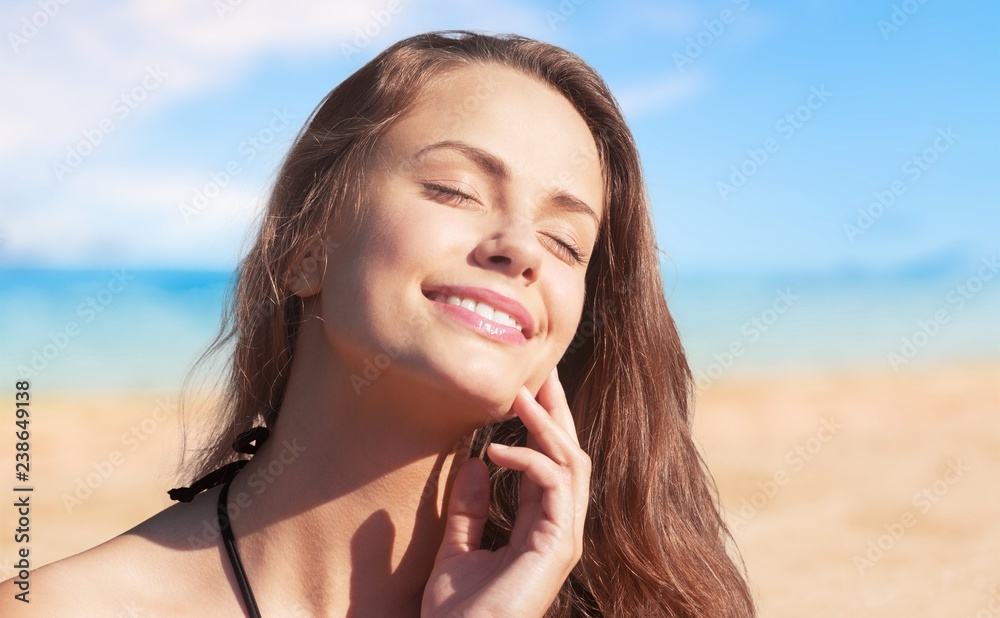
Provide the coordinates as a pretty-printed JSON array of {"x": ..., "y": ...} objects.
[{"x": 496, "y": 167}]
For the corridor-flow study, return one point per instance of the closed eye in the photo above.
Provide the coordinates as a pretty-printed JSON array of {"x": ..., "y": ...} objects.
[
  {"x": 567, "y": 248},
  {"x": 457, "y": 197},
  {"x": 448, "y": 195}
]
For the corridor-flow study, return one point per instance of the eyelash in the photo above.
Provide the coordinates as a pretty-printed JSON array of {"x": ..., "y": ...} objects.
[
  {"x": 456, "y": 197},
  {"x": 569, "y": 248},
  {"x": 453, "y": 196}
]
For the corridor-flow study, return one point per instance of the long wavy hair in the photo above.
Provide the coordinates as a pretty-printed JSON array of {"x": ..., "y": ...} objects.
[{"x": 655, "y": 543}]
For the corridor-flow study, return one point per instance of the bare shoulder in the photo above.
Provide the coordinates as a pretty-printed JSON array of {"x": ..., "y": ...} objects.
[{"x": 168, "y": 564}]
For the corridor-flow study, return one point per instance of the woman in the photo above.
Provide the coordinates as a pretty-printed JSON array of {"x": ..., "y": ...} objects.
[{"x": 458, "y": 218}]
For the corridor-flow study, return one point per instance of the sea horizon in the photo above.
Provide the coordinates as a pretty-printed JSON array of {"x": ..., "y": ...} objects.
[{"x": 107, "y": 329}]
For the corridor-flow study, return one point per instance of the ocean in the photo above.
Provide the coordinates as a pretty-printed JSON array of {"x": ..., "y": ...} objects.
[{"x": 108, "y": 330}]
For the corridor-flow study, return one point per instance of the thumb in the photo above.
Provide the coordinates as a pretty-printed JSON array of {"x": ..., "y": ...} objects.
[{"x": 468, "y": 508}]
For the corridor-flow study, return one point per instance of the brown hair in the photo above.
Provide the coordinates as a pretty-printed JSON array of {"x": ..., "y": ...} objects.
[{"x": 655, "y": 542}]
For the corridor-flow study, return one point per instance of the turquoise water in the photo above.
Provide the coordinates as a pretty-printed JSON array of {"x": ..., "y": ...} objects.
[{"x": 105, "y": 329}]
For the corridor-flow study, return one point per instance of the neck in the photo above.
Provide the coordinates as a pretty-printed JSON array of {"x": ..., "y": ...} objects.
[{"x": 344, "y": 502}]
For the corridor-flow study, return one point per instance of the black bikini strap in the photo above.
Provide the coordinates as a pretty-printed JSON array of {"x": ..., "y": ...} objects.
[
  {"x": 223, "y": 475},
  {"x": 234, "y": 557},
  {"x": 246, "y": 443}
]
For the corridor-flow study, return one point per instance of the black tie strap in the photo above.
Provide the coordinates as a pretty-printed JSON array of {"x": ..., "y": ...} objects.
[
  {"x": 246, "y": 443},
  {"x": 234, "y": 555}
]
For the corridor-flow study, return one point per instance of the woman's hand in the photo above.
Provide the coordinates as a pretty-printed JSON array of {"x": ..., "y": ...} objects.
[{"x": 521, "y": 579}]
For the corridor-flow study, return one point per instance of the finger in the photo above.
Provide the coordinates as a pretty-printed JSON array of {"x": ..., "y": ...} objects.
[
  {"x": 543, "y": 431},
  {"x": 545, "y": 435},
  {"x": 555, "y": 503},
  {"x": 555, "y": 435},
  {"x": 468, "y": 508},
  {"x": 554, "y": 482},
  {"x": 528, "y": 490},
  {"x": 552, "y": 397}
]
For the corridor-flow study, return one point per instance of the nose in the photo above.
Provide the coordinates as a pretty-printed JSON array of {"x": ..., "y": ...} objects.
[{"x": 512, "y": 249}]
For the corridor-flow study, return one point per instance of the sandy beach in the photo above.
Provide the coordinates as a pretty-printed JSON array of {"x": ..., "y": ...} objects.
[
  {"x": 816, "y": 470},
  {"x": 849, "y": 493}
]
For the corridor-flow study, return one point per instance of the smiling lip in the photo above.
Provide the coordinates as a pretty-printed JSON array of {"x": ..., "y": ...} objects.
[{"x": 498, "y": 301}]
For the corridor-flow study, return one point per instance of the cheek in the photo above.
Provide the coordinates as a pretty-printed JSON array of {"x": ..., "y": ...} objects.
[
  {"x": 565, "y": 303},
  {"x": 378, "y": 278},
  {"x": 567, "y": 298},
  {"x": 362, "y": 278}
]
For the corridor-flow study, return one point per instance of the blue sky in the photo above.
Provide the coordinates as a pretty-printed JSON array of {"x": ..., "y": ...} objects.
[{"x": 114, "y": 116}]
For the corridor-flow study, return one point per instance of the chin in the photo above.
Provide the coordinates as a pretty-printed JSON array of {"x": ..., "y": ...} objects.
[
  {"x": 487, "y": 399},
  {"x": 471, "y": 391},
  {"x": 474, "y": 382}
]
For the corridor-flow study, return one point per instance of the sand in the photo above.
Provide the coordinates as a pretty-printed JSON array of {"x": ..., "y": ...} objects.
[
  {"x": 850, "y": 493},
  {"x": 860, "y": 494}
]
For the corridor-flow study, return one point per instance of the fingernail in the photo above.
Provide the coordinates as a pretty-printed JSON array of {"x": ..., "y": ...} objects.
[{"x": 497, "y": 445}]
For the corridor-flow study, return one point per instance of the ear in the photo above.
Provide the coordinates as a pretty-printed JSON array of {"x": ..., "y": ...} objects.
[{"x": 304, "y": 277}]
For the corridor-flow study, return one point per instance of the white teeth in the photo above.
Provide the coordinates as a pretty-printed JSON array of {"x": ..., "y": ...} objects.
[
  {"x": 479, "y": 308},
  {"x": 485, "y": 310}
]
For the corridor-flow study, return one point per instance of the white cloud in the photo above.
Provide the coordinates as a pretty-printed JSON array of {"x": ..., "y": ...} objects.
[
  {"x": 63, "y": 78},
  {"x": 133, "y": 218}
]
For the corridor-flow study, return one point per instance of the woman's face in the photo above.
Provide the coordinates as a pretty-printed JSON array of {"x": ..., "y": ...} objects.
[{"x": 488, "y": 194}]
